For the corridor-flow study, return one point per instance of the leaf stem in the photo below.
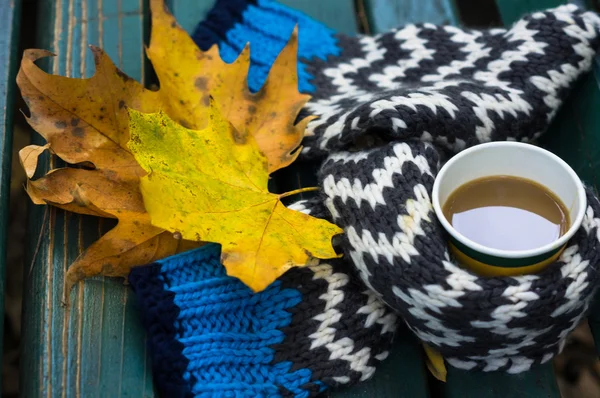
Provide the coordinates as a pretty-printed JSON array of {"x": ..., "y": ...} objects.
[{"x": 297, "y": 191}]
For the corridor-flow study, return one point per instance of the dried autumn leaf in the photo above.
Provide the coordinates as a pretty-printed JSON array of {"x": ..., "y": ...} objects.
[
  {"x": 86, "y": 121},
  {"x": 208, "y": 185},
  {"x": 133, "y": 241},
  {"x": 188, "y": 76},
  {"x": 28, "y": 157},
  {"x": 66, "y": 188}
]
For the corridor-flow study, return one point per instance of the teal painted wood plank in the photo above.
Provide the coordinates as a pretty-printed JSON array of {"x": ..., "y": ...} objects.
[
  {"x": 9, "y": 29},
  {"x": 403, "y": 374},
  {"x": 189, "y": 12},
  {"x": 95, "y": 346},
  {"x": 537, "y": 383},
  {"x": 387, "y": 14},
  {"x": 35, "y": 286},
  {"x": 337, "y": 14},
  {"x": 512, "y": 10}
]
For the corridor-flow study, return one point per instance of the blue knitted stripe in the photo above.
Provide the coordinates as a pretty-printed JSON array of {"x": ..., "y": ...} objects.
[
  {"x": 222, "y": 329},
  {"x": 267, "y": 26}
]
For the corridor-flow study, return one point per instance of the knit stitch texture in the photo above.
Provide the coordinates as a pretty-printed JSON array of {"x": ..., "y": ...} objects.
[
  {"x": 212, "y": 336},
  {"x": 392, "y": 108}
]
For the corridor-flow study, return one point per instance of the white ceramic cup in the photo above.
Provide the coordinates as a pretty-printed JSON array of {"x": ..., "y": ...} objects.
[{"x": 518, "y": 160}]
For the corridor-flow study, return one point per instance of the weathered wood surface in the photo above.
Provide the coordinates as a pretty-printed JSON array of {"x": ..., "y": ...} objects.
[
  {"x": 10, "y": 11},
  {"x": 95, "y": 347}
]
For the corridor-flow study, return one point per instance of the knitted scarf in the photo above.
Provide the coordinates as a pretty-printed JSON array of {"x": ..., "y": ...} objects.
[{"x": 392, "y": 108}]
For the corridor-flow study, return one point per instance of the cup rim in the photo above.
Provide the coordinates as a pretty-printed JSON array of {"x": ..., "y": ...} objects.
[{"x": 575, "y": 224}]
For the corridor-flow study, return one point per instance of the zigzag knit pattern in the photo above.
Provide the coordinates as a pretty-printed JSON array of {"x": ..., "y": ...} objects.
[
  {"x": 391, "y": 108},
  {"x": 450, "y": 86},
  {"x": 210, "y": 335}
]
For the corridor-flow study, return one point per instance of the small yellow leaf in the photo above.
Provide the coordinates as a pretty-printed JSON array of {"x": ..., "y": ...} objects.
[
  {"x": 189, "y": 76},
  {"x": 211, "y": 186},
  {"x": 435, "y": 363},
  {"x": 28, "y": 157}
]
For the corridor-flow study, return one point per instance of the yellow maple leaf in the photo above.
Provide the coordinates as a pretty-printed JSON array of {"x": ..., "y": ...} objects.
[
  {"x": 210, "y": 186},
  {"x": 188, "y": 76}
]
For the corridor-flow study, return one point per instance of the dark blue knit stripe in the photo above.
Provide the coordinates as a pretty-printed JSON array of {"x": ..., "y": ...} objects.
[
  {"x": 222, "y": 17},
  {"x": 160, "y": 314}
]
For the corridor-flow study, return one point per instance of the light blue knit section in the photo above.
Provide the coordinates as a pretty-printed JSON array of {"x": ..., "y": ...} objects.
[
  {"x": 267, "y": 27},
  {"x": 227, "y": 330}
]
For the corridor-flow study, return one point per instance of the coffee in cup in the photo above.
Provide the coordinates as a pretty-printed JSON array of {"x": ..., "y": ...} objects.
[{"x": 509, "y": 208}]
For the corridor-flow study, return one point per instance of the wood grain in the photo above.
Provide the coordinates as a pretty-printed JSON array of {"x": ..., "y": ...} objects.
[{"x": 95, "y": 345}]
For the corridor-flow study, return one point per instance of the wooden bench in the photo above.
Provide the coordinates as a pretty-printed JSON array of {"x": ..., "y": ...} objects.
[
  {"x": 98, "y": 348},
  {"x": 9, "y": 27}
]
